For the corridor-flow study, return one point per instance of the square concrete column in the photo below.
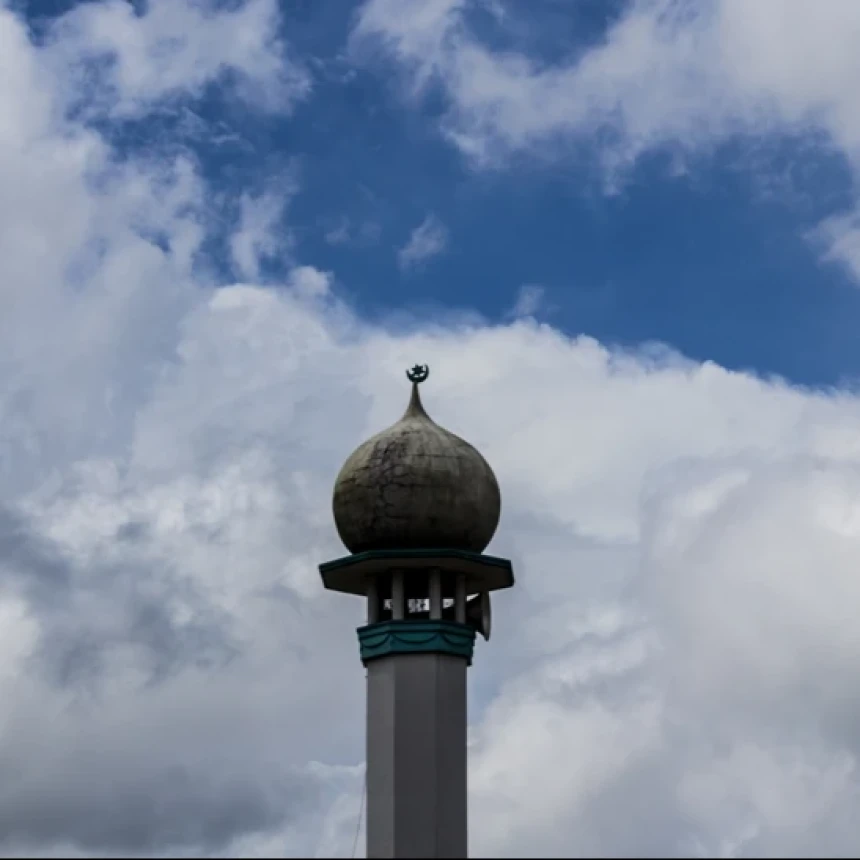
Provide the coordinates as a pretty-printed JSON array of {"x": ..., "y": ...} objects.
[{"x": 416, "y": 756}]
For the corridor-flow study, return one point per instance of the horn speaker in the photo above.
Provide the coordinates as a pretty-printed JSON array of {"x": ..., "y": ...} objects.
[{"x": 479, "y": 614}]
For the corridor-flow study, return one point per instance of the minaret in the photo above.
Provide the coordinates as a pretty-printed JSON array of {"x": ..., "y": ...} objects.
[{"x": 416, "y": 506}]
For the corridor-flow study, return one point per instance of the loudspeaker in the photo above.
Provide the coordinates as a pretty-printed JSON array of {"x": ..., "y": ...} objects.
[{"x": 479, "y": 614}]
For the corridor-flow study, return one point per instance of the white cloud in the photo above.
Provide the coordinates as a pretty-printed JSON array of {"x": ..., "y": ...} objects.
[
  {"x": 310, "y": 282},
  {"x": 174, "y": 48},
  {"x": 260, "y": 234},
  {"x": 347, "y": 233},
  {"x": 530, "y": 299},
  {"x": 427, "y": 240},
  {"x": 839, "y": 237},
  {"x": 674, "y": 74},
  {"x": 675, "y": 672},
  {"x": 339, "y": 235}
]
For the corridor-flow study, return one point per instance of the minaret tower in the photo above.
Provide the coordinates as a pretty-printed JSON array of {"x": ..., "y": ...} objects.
[{"x": 416, "y": 506}]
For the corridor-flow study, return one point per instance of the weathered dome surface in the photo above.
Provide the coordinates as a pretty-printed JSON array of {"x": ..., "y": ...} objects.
[{"x": 416, "y": 486}]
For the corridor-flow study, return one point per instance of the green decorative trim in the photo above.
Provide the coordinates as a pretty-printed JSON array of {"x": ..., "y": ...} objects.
[{"x": 416, "y": 637}]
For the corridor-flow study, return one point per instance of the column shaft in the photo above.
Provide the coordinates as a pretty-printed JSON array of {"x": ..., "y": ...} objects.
[{"x": 416, "y": 756}]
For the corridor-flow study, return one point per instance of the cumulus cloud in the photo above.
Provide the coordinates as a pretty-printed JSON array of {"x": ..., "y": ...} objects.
[
  {"x": 427, "y": 240},
  {"x": 674, "y": 674},
  {"x": 676, "y": 75},
  {"x": 110, "y": 643}
]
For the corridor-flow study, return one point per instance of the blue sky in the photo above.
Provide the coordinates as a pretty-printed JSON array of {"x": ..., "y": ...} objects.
[
  {"x": 707, "y": 262},
  {"x": 712, "y": 259},
  {"x": 625, "y": 237}
]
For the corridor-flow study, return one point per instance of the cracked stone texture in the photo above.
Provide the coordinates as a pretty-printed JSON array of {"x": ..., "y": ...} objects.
[{"x": 416, "y": 486}]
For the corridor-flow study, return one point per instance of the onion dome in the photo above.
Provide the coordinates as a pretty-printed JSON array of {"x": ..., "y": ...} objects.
[{"x": 416, "y": 486}]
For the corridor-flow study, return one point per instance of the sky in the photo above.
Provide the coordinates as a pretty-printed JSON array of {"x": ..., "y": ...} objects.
[{"x": 625, "y": 236}]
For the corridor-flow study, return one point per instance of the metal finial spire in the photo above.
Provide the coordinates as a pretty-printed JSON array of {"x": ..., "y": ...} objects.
[{"x": 418, "y": 373}]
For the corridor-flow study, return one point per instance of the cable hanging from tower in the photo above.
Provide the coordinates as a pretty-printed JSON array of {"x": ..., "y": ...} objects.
[{"x": 360, "y": 813}]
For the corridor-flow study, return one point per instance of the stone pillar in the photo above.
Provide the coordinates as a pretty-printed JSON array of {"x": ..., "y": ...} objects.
[
  {"x": 416, "y": 756},
  {"x": 416, "y": 737}
]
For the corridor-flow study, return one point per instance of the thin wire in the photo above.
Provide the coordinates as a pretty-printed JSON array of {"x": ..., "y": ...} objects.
[{"x": 360, "y": 814}]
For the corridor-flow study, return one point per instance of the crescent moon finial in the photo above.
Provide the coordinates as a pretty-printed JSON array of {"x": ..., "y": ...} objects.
[{"x": 418, "y": 373}]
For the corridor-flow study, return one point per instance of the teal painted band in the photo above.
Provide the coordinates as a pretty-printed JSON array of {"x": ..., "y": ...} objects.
[{"x": 416, "y": 637}]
